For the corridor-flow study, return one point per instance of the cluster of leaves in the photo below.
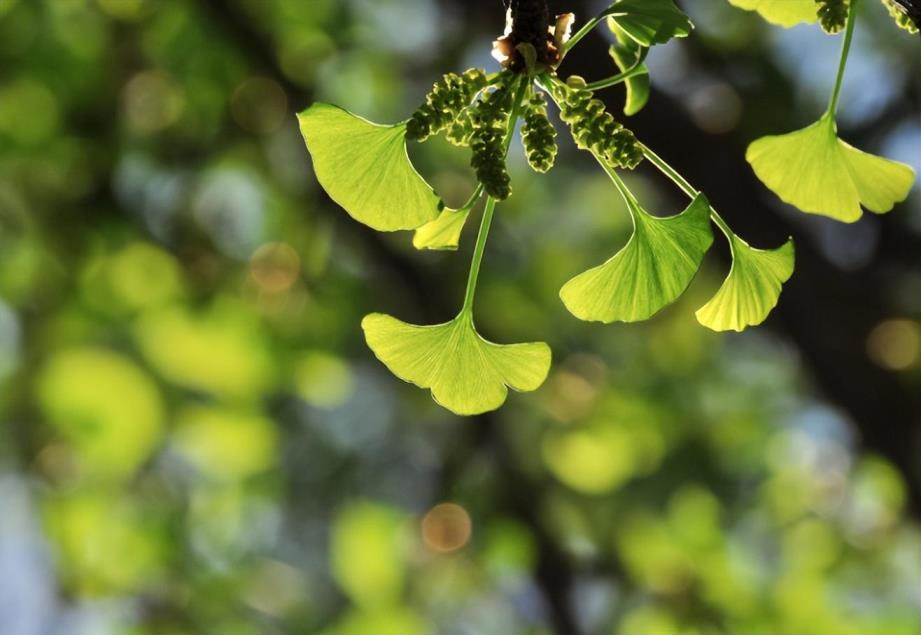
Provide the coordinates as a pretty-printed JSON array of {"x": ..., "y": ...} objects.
[{"x": 365, "y": 168}]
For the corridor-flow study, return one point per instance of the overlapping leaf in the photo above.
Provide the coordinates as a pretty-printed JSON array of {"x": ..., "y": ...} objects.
[
  {"x": 818, "y": 173},
  {"x": 444, "y": 232},
  {"x": 752, "y": 289},
  {"x": 650, "y": 22},
  {"x": 467, "y": 374},
  {"x": 786, "y": 13},
  {"x": 364, "y": 167},
  {"x": 649, "y": 273}
]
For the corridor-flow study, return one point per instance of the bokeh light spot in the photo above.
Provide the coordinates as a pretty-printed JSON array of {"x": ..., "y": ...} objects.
[
  {"x": 259, "y": 105},
  {"x": 152, "y": 102},
  {"x": 895, "y": 344},
  {"x": 275, "y": 267},
  {"x": 446, "y": 528}
]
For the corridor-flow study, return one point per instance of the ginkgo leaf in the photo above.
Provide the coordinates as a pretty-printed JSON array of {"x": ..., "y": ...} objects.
[
  {"x": 365, "y": 168},
  {"x": 467, "y": 374},
  {"x": 650, "y": 22},
  {"x": 444, "y": 232},
  {"x": 786, "y": 13},
  {"x": 649, "y": 273},
  {"x": 752, "y": 289},
  {"x": 627, "y": 55},
  {"x": 818, "y": 173}
]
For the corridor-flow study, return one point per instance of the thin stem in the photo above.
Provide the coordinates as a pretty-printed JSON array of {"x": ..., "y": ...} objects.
[
  {"x": 639, "y": 69},
  {"x": 477, "y": 193},
  {"x": 686, "y": 187},
  {"x": 842, "y": 64},
  {"x": 478, "y": 256},
  {"x": 485, "y": 224},
  {"x": 581, "y": 33}
]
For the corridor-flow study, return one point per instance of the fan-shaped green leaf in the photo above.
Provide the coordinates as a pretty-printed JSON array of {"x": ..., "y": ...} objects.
[
  {"x": 649, "y": 273},
  {"x": 364, "y": 167},
  {"x": 467, "y": 374},
  {"x": 752, "y": 289},
  {"x": 444, "y": 232},
  {"x": 650, "y": 22},
  {"x": 820, "y": 174},
  {"x": 786, "y": 13}
]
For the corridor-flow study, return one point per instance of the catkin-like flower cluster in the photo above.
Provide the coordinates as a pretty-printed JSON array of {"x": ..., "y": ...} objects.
[
  {"x": 448, "y": 99},
  {"x": 901, "y": 18},
  {"x": 594, "y": 128},
  {"x": 833, "y": 14},
  {"x": 487, "y": 143},
  {"x": 539, "y": 135}
]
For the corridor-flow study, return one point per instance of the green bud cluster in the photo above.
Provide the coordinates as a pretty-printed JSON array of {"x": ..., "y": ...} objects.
[
  {"x": 901, "y": 18},
  {"x": 594, "y": 128},
  {"x": 490, "y": 120},
  {"x": 448, "y": 99},
  {"x": 833, "y": 14},
  {"x": 539, "y": 135}
]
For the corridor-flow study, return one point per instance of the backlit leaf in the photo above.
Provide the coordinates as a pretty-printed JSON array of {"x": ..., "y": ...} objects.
[
  {"x": 650, "y": 22},
  {"x": 364, "y": 167},
  {"x": 820, "y": 174},
  {"x": 783, "y": 12},
  {"x": 649, "y": 273},
  {"x": 627, "y": 54},
  {"x": 752, "y": 289},
  {"x": 444, "y": 232},
  {"x": 467, "y": 374}
]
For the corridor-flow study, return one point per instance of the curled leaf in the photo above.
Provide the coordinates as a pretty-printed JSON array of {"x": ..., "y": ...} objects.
[
  {"x": 752, "y": 289},
  {"x": 467, "y": 374},
  {"x": 628, "y": 55},
  {"x": 786, "y": 13},
  {"x": 444, "y": 232},
  {"x": 365, "y": 168},
  {"x": 818, "y": 173},
  {"x": 650, "y": 22},
  {"x": 649, "y": 273}
]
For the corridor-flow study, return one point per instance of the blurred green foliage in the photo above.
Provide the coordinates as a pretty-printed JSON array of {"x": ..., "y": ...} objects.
[{"x": 193, "y": 438}]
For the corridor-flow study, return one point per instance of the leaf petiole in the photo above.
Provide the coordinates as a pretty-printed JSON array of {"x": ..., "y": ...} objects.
[
  {"x": 685, "y": 187},
  {"x": 581, "y": 33},
  {"x": 486, "y": 222},
  {"x": 842, "y": 64},
  {"x": 639, "y": 69}
]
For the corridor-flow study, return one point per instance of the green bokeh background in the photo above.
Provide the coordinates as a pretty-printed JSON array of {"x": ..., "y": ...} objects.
[{"x": 195, "y": 439}]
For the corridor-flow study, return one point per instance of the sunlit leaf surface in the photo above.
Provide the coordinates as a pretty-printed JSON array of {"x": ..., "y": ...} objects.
[
  {"x": 467, "y": 374},
  {"x": 752, "y": 289},
  {"x": 364, "y": 167},
  {"x": 650, "y": 22},
  {"x": 649, "y": 273},
  {"x": 783, "y": 12},
  {"x": 444, "y": 232},
  {"x": 627, "y": 54},
  {"x": 818, "y": 173}
]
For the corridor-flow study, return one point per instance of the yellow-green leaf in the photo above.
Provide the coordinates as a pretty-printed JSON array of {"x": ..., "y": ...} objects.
[
  {"x": 752, "y": 289},
  {"x": 650, "y": 22},
  {"x": 818, "y": 173},
  {"x": 786, "y": 13},
  {"x": 365, "y": 168},
  {"x": 442, "y": 233},
  {"x": 649, "y": 273},
  {"x": 467, "y": 374}
]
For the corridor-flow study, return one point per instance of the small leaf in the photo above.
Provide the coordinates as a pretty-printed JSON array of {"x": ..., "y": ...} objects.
[
  {"x": 650, "y": 22},
  {"x": 627, "y": 56},
  {"x": 364, "y": 167},
  {"x": 444, "y": 232},
  {"x": 786, "y": 13},
  {"x": 752, "y": 289},
  {"x": 649, "y": 273},
  {"x": 467, "y": 374},
  {"x": 820, "y": 174}
]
